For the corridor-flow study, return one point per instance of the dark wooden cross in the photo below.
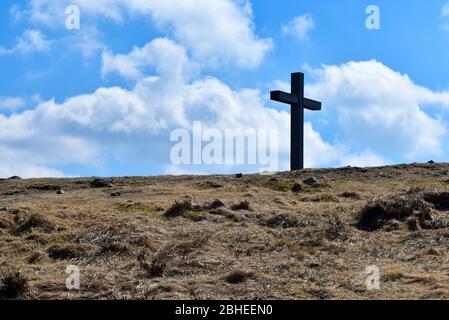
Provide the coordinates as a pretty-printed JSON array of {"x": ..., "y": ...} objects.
[{"x": 298, "y": 103}]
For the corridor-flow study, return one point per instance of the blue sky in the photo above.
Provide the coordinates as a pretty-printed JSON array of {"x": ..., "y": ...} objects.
[{"x": 102, "y": 100}]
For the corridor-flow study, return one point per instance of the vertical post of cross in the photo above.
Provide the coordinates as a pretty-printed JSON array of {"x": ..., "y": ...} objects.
[
  {"x": 297, "y": 123},
  {"x": 297, "y": 103}
]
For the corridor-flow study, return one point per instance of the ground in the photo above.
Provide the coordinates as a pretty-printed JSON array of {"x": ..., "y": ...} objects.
[{"x": 229, "y": 237}]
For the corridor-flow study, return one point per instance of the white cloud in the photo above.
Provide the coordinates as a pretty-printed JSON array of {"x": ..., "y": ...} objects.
[
  {"x": 117, "y": 123},
  {"x": 167, "y": 58},
  {"x": 300, "y": 26},
  {"x": 376, "y": 112},
  {"x": 445, "y": 10},
  {"x": 11, "y": 103},
  {"x": 88, "y": 40},
  {"x": 377, "y": 107},
  {"x": 29, "y": 42},
  {"x": 215, "y": 32}
]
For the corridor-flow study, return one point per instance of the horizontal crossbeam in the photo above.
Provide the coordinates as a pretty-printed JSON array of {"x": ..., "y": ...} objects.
[
  {"x": 292, "y": 99},
  {"x": 284, "y": 97},
  {"x": 312, "y": 104}
]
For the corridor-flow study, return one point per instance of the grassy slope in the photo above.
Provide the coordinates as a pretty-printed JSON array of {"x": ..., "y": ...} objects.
[{"x": 289, "y": 246}]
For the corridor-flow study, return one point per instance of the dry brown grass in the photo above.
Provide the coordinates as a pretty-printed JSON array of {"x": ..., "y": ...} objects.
[{"x": 228, "y": 237}]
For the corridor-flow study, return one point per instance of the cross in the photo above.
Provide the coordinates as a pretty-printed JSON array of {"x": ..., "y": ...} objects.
[{"x": 298, "y": 103}]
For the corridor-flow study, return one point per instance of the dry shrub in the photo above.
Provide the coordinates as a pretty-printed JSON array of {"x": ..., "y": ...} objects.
[
  {"x": 45, "y": 187},
  {"x": 398, "y": 274},
  {"x": 61, "y": 252},
  {"x": 13, "y": 285},
  {"x": 376, "y": 214},
  {"x": 5, "y": 222},
  {"x": 100, "y": 183},
  {"x": 415, "y": 190},
  {"x": 213, "y": 205},
  {"x": 350, "y": 195},
  {"x": 35, "y": 221},
  {"x": 114, "y": 247},
  {"x": 439, "y": 200},
  {"x": 243, "y": 205},
  {"x": 336, "y": 229},
  {"x": 35, "y": 257},
  {"x": 178, "y": 209},
  {"x": 170, "y": 255},
  {"x": 150, "y": 244},
  {"x": 281, "y": 220},
  {"x": 296, "y": 188},
  {"x": 109, "y": 239}
]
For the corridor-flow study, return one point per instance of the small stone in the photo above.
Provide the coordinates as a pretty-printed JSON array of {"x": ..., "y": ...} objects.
[
  {"x": 116, "y": 194},
  {"x": 311, "y": 181},
  {"x": 297, "y": 188},
  {"x": 60, "y": 191},
  {"x": 239, "y": 175},
  {"x": 3, "y": 209}
]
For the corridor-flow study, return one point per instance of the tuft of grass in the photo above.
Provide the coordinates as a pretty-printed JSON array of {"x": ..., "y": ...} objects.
[
  {"x": 296, "y": 188},
  {"x": 213, "y": 205},
  {"x": 237, "y": 276},
  {"x": 398, "y": 274},
  {"x": 168, "y": 255},
  {"x": 439, "y": 200},
  {"x": 100, "y": 183},
  {"x": 35, "y": 257},
  {"x": 178, "y": 209},
  {"x": 279, "y": 185},
  {"x": 35, "y": 221},
  {"x": 281, "y": 220},
  {"x": 210, "y": 185},
  {"x": 376, "y": 214},
  {"x": 13, "y": 285},
  {"x": 135, "y": 207},
  {"x": 414, "y": 190},
  {"x": 336, "y": 229},
  {"x": 62, "y": 252},
  {"x": 243, "y": 205},
  {"x": 114, "y": 247},
  {"x": 195, "y": 216},
  {"x": 350, "y": 195}
]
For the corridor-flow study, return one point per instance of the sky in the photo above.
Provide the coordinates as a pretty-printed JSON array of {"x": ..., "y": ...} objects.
[{"x": 104, "y": 99}]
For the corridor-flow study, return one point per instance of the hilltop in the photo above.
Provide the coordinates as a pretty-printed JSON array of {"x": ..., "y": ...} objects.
[{"x": 308, "y": 234}]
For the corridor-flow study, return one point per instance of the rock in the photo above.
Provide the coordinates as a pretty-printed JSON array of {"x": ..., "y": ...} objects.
[
  {"x": 60, "y": 191},
  {"x": 4, "y": 209},
  {"x": 431, "y": 162},
  {"x": 116, "y": 194},
  {"x": 14, "y": 178},
  {"x": 297, "y": 188},
  {"x": 239, "y": 175},
  {"x": 311, "y": 181}
]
